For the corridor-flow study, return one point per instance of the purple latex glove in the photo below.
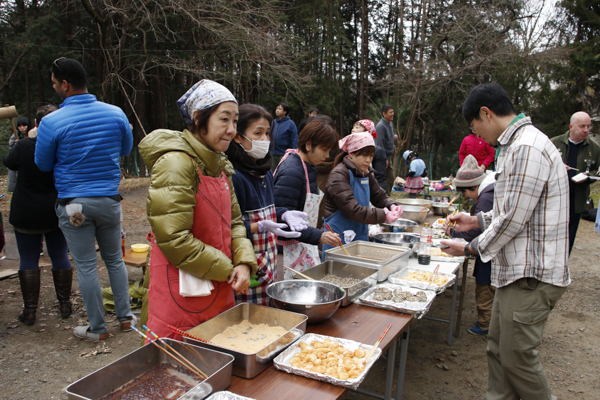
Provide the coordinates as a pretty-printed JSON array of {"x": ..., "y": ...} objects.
[
  {"x": 296, "y": 220},
  {"x": 392, "y": 216},
  {"x": 396, "y": 208},
  {"x": 276, "y": 229}
]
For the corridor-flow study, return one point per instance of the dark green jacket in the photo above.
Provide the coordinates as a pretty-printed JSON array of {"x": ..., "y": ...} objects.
[{"x": 589, "y": 150}]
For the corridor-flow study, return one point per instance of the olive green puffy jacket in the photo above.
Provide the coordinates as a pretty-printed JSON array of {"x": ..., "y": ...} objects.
[{"x": 173, "y": 159}]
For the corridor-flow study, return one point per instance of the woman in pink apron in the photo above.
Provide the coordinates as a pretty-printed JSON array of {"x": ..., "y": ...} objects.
[
  {"x": 253, "y": 183},
  {"x": 296, "y": 189},
  {"x": 200, "y": 253}
]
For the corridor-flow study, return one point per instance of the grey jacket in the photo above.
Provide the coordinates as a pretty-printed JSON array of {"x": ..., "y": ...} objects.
[{"x": 385, "y": 137}]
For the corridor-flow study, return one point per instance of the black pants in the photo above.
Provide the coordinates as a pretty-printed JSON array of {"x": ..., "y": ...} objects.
[{"x": 574, "y": 219}]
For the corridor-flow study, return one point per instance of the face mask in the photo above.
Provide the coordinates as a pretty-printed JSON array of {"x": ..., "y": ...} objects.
[{"x": 259, "y": 149}]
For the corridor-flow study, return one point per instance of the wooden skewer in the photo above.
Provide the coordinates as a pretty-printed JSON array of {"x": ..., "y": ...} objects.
[
  {"x": 426, "y": 207},
  {"x": 377, "y": 343},
  {"x": 339, "y": 240},
  {"x": 169, "y": 354},
  {"x": 299, "y": 273},
  {"x": 182, "y": 333},
  {"x": 176, "y": 352}
]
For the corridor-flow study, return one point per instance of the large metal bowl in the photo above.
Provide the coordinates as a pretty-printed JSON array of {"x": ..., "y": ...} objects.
[
  {"x": 413, "y": 202},
  {"x": 415, "y": 213},
  {"x": 398, "y": 239},
  {"x": 442, "y": 208},
  {"x": 402, "y": 225},
  {"x": 316, "y": 299}
]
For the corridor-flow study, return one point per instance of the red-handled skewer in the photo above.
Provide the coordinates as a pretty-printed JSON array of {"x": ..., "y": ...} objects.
[{"x": 377, "y": 343}]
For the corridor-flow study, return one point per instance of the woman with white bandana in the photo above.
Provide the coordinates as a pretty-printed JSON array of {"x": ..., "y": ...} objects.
[
  {"x": 199, "y": 251},
  {"x": 351, "y": 186},
  {"x": 253, "y": 183}
]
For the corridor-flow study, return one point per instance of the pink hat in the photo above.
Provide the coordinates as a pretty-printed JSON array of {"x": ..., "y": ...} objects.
[
  {"x": 369, "y": 126},
  {"x": 356, "y": 141}
]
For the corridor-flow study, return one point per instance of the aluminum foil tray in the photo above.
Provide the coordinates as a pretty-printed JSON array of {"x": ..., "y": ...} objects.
[
  {"x": 225, "y": 395},
  {"x": 399, "y": 278},
  {"x": 282, "y": 361},
  {"x": 407, "y": 307}
]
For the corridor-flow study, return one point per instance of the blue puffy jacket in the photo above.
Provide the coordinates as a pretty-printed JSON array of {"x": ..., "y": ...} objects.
[
  {"x": 82, "y": 143},
  {"x": 284, "y": 135}
]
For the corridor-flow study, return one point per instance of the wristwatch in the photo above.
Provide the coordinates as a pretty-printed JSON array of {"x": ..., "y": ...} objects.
[{"x": 468, "y": 254}]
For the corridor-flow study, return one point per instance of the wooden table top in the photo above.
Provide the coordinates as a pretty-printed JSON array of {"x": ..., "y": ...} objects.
[
  {"x": 359, "y": 323},
  {"x": 135, "y": 259}
]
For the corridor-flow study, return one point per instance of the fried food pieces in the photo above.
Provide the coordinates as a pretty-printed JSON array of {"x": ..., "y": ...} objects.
[{"x": 329, "y": 358}]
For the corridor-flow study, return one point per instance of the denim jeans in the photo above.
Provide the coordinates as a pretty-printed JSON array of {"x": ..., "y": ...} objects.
[{"x": 102, "y": 224}]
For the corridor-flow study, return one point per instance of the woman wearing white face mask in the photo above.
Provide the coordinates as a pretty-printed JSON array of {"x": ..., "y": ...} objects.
[{"x": 253, "y": 184}]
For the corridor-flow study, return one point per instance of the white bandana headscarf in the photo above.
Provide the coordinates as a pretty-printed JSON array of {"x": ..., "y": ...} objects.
[{"x": 202, "y": 95}]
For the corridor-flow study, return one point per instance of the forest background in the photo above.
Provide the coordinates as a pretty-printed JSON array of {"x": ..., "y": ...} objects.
[{"x": 345, "y": 57}]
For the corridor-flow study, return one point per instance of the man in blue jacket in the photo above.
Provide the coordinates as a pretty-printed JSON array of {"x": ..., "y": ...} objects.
[
  {"x": 82, "y": 143},
  {"x": 284, "y": 134}
]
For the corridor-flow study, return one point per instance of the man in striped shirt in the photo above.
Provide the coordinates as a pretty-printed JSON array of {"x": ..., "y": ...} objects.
[{"x": 526, "y": 238}]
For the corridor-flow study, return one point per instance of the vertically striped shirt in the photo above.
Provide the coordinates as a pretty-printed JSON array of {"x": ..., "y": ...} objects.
[{"x": 526, "y": 233}]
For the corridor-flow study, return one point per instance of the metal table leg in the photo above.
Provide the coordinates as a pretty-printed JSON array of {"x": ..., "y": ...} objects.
[
  {"x": 452, "y": 312},
  {"x": 463, "y": 290},
  {"x": 402, "y": 366},
  {"x": 389, "y": 376}
]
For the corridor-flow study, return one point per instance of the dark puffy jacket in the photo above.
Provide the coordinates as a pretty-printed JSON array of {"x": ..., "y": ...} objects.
[
  {"x": 82, "y": 143},
  {"x": 378, "y": 164},
  {"x": 290, "y": 191},
  {"x": 340, "y": 196},
  {"x": 32, "y": 204},
  {"x": 284, "y": 135}
]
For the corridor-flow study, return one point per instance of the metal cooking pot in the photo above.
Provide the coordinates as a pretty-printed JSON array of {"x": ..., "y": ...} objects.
[
  {"x": 442, "y": 209},
  {"x": 415, "y": 213},
  {"x": 402, "y": 225},
  {"x": 398, "y": 239}
]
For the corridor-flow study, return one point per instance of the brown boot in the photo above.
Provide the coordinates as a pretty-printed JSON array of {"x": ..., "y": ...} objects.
[
  {"x": 63, "y": 278},
  {"x": 30, "y": 287}
]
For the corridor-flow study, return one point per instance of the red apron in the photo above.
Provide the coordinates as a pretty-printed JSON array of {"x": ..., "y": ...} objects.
[{"x": 212, "y": 225}]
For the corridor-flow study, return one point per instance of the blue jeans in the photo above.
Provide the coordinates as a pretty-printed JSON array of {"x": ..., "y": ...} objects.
[{"x": 103, "y": 223}]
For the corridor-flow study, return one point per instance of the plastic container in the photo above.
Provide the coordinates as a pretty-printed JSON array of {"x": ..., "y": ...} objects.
[{"x": 424, "y": 253}]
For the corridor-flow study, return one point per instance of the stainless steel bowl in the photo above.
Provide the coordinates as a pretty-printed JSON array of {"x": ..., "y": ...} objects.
[
  {"x": 398, "y": 239},
  {"x": 316, "y": 299},
  {"x": 442, "y": 209},
  {"x": 402, "y": 225},
  {"x": 415, "y": 213},
  {"x": 413, "y": 202}
]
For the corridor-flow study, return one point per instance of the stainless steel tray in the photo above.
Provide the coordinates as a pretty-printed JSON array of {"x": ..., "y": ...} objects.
[
  {"x": 282, "y": 362},
  {"x": 399, "y": 278},
  {"x": 407, "y": 307},
  {"x": 250, "y": 365},
  {"x": 385, "y": 258},
  {"x": 225, "y": 395},
  {"x": 366, "y": 275},
  {"x": 216, "y": 365}
]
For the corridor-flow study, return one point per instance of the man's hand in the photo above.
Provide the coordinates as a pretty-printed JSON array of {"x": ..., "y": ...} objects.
[
  {"x": 464, "y": 222},
  {"x": 456, "y": 249}
]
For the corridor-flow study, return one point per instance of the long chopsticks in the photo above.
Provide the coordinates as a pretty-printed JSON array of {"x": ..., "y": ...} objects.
[
  {"x": 175, "y": 351},
  {"x": 299, "y": 273},
  {"x": 187, "y": 364},
  {"x": 326, "y": 225},
  {"x": 377, "y": 343},
  {"x": 182, "y": 333}
]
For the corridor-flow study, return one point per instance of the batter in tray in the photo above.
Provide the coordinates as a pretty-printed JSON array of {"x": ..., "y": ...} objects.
[{"x": 248, "y": 338}]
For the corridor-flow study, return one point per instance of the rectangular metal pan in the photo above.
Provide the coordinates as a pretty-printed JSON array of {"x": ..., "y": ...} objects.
[
  {"x": 216, "y": 365},
  {"x": 366, "y": 275},
  {"x": 387, "y": 259},
  {"x": 249, "y": 365}
]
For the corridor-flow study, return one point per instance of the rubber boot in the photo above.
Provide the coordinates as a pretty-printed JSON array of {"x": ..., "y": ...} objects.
[
  {"x": 63, "y": 278},
  {"x": 30, "y": 287}
]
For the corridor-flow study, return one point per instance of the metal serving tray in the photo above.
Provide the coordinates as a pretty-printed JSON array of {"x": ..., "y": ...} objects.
[
  {"x": 385, "y": 258},
  {"x": 399, "y": 278},
  {"x": 98, "y": 384},
  {"x": 249, "y": 365},
  {"x": 282, "y": 362},
  {"x": 225, "y": 395},
  {"x": 406, "y": 307},
  {"x": 366, "y": 275}
]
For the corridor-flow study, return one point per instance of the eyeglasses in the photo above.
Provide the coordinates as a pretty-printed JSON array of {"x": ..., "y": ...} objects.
[{"x": 55, "y": 63}]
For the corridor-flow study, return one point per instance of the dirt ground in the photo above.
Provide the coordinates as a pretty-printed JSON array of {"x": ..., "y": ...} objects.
[{"x": 39, "y": 361}]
